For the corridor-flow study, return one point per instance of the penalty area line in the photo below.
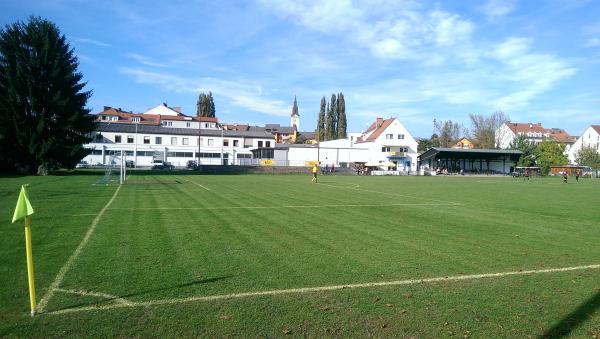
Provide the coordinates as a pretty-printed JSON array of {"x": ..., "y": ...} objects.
[
  {"x": 197, "y": 184},
  {"x": 276, "y": 207},
  {"x": 321, "y": 289},
  {"x": 63, "y": 271}
]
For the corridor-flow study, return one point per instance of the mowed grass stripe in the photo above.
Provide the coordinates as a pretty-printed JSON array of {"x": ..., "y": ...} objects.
[{"x": 324, "y": 289}]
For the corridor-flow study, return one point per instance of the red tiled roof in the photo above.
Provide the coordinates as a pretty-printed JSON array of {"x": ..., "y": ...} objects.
[
  {"x": 379, "y": 129},
  {"x": 596, "y": 128},
  {"x": 558, "y": 134},
  {"x": 127, "y": 117}
]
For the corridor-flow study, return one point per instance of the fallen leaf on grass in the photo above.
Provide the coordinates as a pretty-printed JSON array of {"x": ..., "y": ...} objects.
[
  {"x": 324, "y": 308},
  {"x": 408, "y": 295},
  {"x": 389, "y": 305},
  {"x": 403, "y": 311},
  {"x": 287, "y": 331},
  {"x": 225, "y": 317}
]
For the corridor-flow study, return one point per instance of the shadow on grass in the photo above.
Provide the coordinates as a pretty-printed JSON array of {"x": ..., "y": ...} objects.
[
  {"x": 574, "y": 319},
  {"x": 138, "y": 293}
]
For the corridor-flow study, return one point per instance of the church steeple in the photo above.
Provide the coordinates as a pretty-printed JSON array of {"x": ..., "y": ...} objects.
[{"x": 295, "y": 115}]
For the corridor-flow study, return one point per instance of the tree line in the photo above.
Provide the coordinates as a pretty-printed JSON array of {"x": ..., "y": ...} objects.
[{"x": 331, "y": 123}]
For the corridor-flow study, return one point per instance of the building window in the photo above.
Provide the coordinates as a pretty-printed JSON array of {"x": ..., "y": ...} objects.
[
  {"x": 236, "y": 143},
  {"x": 168, "y": 123},
  {"x": 389, "y": 136},
  {"x": 385, "y": 149},
  {"x": 211, "y": 142},
  {"x": 268, "y": 144},
  {"x": 117, "y": 139},
  {"x": 158, "y": 140},
  {"x": 225, "y": 142},
  {"x": 205, "y": 125},
  {"x": 146, "y": 140},
  {"x": 401, "y": 136},
  {"x": 260, "y": 144},
  {"x": 185, "y": 141},
  {"x": 187, "y": 124},
  {"x": 130, "y": 139},
  {"x": 173, "y": 140},
  {"x": 135, "y": 119}
]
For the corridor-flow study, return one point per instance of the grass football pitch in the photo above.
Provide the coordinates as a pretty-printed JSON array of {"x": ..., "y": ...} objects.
[{"x": 275, "y": 255}]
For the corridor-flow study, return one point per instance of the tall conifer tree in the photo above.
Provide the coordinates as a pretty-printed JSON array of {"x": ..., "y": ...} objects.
[
  {"x": 44, "y": 121},
  {"x": 331, "y": 119},
  {"x": 321, "y": 132},
  {"x": 341, "y": 120}
]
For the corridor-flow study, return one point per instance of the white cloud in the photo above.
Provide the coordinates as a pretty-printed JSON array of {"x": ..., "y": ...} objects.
[
  {"x": 145, "y": 60},
  {"x": 92, "y": 42},
  {"x": 528, "y": 73},
  {"x": 241, "y": 93},
  {"x": 592, "y": 42},
  {"x": 399, "y": 32},
  {"x": 498, "y": 8}
]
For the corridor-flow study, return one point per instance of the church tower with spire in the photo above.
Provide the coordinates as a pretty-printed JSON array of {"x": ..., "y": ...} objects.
[{"x": 295, "y": 116}]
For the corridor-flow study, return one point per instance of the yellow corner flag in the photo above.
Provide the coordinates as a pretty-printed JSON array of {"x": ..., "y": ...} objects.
[{"x": 24, "y": 210}]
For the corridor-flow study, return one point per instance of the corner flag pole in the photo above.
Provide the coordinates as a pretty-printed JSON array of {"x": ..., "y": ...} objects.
[
  {"x": 24, "y": 210},
  {"x": 30, "y": 276}
]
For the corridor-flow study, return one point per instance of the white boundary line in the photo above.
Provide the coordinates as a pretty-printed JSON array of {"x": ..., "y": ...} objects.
[
  {"x": 96, "y": 294},
  {"x": 320, "y": 289},
  {"x": 197, "y": 184},
  {"x": 395, "y": 194},
  {"x": 276, "y": 207},
  {"x": 63, "y": 271}
]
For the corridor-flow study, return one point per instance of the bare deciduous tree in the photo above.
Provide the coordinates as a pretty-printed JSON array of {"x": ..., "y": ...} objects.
[{"x": 484, "y": 128}]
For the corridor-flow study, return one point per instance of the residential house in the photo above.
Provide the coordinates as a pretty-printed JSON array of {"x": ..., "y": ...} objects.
[{"x": 589, "y": 138}]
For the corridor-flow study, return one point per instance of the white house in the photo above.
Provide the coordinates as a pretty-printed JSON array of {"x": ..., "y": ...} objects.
[
  {"x": 389, "y": 141},
  {"x": 386, "y": 143},
  {"x": 589, "y": 138},
  {"x": 534, "y": 133}
]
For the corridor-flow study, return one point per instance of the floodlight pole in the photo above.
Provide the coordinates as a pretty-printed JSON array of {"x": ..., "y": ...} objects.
[
  {"x": 135, "y": 146},
  {"x": 222, "y": 141}
]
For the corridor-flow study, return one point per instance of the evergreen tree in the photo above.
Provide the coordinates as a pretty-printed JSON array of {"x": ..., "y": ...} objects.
[
  {"x": 320, "y": 133},
  {"x": 205, "y": 106},
  {"x": 44, "y": 121},
  {"x": 341, "y": 117},
  {"x": 331, "y": 119},
  {"x": 211, "y": 109}
]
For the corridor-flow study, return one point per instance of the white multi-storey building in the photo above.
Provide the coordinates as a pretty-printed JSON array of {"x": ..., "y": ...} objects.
[
  {"x": 165, "y": 133},
  {"x": 589, "y": 138}
]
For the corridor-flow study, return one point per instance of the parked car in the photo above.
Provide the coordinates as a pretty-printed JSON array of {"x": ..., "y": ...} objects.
[
  {"x": 129, "y": 163},
  {"x": 192, "y": 164},
  {"x": 159, "y": 164},
  {"x": 82, "y": 164}
]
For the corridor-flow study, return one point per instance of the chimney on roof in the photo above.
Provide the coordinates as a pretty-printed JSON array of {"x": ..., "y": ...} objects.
[
  {"x": 106, "y": 108},
  {"x": 379, "y": 122},
  {"x": 539, "y": 124},
  {"x": 177, "y": 109}
]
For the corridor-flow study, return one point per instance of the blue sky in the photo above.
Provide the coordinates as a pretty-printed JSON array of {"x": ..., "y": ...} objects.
[{"x": 538, "y": 61}]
